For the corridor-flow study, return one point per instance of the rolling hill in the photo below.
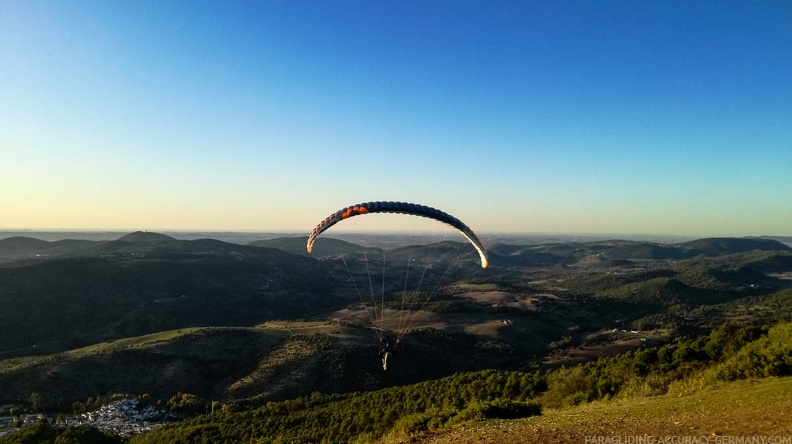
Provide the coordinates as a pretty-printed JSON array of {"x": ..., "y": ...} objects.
[
  {"x": 59, "y": 304},
  {"x": 14, "y": 248},
  {"x": 716, "y": 246},
  {"x": 195, "y": 360},
  {"x": 323, "y": 247},
  {"x": 110, "y": 316},
  {"x": 254, "y": 365},
  {"x": 635, "y": 250},
  {"x": 733, "y": 410},
  {"x": 146, "y": 237}
]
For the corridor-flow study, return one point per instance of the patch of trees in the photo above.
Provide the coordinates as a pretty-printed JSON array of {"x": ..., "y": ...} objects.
[
  {"x": 769, "y": 355},
  {"x": 89, "y": 300},
  {"x": 771, "y": 308},
  {"x": 404, "y": 410},
  {"x": 46, "y": 433},
  {"x": 727, "y": 353}
]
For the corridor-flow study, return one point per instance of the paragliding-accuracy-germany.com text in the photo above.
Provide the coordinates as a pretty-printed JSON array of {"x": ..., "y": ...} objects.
[{"x": 688, "y": 439}]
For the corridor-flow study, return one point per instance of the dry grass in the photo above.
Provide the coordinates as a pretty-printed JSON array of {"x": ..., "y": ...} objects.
[
  {"x": 743, "y": 408},
  {"x": 133, "y": 342},
  {"x": 15, "y": 364}
]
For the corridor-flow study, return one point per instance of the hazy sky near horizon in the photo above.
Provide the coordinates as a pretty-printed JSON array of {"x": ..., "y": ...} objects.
[{"x": 667, "y": 117}]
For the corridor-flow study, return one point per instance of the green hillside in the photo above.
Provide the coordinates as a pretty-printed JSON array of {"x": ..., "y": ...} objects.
[
  {"x": 60, "y": 304},
  {"x": 162, "y": 364},
  {"x": 684, "y": 374},
  {"x": 130, "y": 317},
  {"x": 759, "y": 408},
  {"x": 253, "y": 365}
]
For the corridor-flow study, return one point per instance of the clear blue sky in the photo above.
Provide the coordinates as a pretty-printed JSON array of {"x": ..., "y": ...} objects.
[{"x": 589, "y": 117}]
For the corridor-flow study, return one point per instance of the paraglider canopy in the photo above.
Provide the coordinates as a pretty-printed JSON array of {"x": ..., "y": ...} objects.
[{"x": 402, "y": 208}]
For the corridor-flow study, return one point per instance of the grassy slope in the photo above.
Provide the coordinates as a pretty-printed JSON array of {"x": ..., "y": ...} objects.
[
  {"x": 276, "y": 360},
  {"x": 749, "y": 407},
  {"x": 137, "y": 341},
  {"x": 12, "y": 364},
  {"x": 196, "y": 360}
]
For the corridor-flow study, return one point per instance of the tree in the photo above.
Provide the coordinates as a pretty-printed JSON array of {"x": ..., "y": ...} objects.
[
  {"x": 85, "y": 435},
  {"x": 187, "y": 403},
  {"x": 36, "y": 401}
]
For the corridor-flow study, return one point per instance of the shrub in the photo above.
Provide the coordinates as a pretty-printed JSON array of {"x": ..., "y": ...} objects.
[
  {"x": 770, "y": 355},
  {"x": 651, "y": 385},
  {"x": 500, "y": 409},
  {"x": 567, "y": 387}
]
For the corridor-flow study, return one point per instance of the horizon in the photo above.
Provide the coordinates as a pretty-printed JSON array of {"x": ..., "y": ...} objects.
[
  {"x": 570, "y": 117},
  {"x": 396, "y": 231},
  {"x": 393, "y": 231},
  {"x": 57, "y": 234}
]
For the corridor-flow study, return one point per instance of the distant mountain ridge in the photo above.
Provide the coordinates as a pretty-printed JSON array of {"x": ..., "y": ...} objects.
[
  {"x": 146, "y": 237},
  {"x": 604, "y": 251},
  {"x": 138, "y": 242},
  {"x": 20, "y": 247},
  {"x": 786, "y": 240},
  {"x": 141, "y": 242},
  {"x": 714, "y": 246},
  {"x": 324, "y": 246}
]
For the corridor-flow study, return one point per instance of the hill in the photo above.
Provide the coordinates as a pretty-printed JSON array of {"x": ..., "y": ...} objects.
[
  {"x": 195, "y": 360},
  {"x": 716, "y": 246},
  {"x": 163, "y": 248},
  {"x": 407, "y": 413},
  {"x": 737, "y": 409},
  {"x": 769, "y": 262},
  {"x": 323, "y": 247},
  {"x": 636, "y": 379},
  {"x": 616, "y": 252},
  {"x": 528, "y": 256},
  {"x": 544, "y": 305},
  {"x": 21, "y": 245},
  {"x": 146, "y": 237},
  {"x": 786, "y": 240},
  {"x": 663, "y": 292},
  {"x": 59, "y": 304},
  {"x": 598, "y": 253},
  {"x": 119, "y": 289},
  {"x": 14, "y": 248},
  {"x": 645, "y": 250},
  {"x": 254, "y": 365}
]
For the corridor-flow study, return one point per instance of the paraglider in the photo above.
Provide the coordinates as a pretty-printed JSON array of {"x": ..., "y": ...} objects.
[
  {"x": 386, "y": 349},
  {"x": 386, "y": 353}
]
